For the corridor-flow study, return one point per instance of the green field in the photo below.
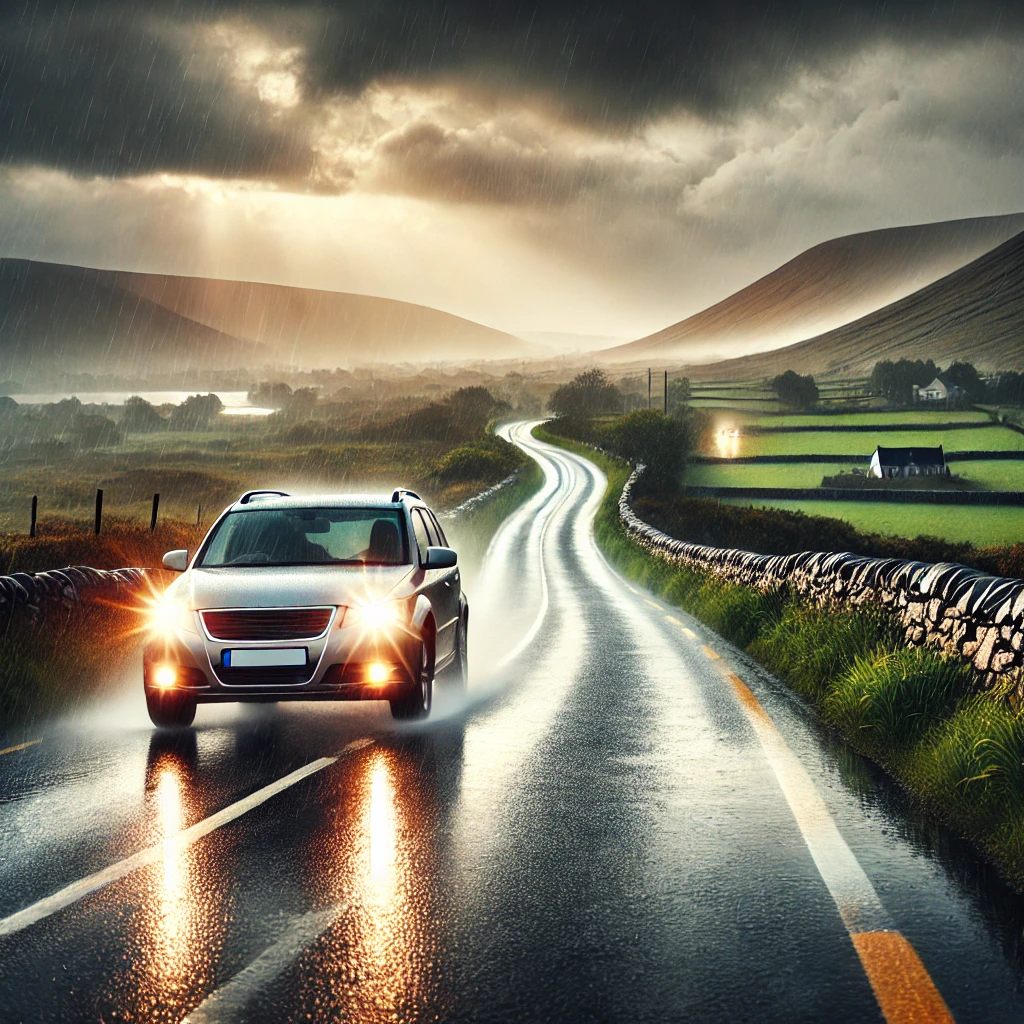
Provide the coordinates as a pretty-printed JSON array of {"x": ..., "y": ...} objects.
[
  {"x": 873, "y": 416},
  {"x": 996, "y": 475},
  {"x": 806, "y": 475},
  {"x": 832, "y": 443},
  {"x": 983, "y": 527}
]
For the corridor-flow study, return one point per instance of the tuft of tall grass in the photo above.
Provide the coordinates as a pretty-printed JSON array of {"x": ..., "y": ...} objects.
[
  {"x": 889, "y": 700},
  {"x": 973, "y": 767},
  {"x": 811, "y": 647}
]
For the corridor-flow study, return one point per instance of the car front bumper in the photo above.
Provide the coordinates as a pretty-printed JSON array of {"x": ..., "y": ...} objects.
[{"x": 346, "y": 663}]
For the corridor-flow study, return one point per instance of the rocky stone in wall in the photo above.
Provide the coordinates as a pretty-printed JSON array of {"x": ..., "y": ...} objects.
[{"x": 34, "y": 597}]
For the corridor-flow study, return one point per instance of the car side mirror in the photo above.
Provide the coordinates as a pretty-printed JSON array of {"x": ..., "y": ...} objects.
[
  {"x": 440, "y": 558},
  {"x": 176, "y": 560}
]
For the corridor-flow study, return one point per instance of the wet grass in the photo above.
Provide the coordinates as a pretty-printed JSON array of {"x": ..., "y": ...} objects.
[
  {"x": 912, "y": 711},
  {"x": 65, "y": 661}
]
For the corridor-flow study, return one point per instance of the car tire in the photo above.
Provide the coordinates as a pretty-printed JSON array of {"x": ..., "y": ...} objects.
[
  {"x": 416, "y": 704},
  {"x": 170, "y": 710}
]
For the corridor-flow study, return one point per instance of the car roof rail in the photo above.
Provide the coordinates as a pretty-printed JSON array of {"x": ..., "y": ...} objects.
[
  {"x": 250, "y": 495},
  {"x": 404, "y": 492}
]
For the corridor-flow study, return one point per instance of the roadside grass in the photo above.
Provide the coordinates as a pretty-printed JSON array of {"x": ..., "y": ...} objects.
[
  {"x": 63, "y": 662},
  {"x": 981, "y": 525},
  {"x": 212, "y": 468},
  {"x": 912, "y": 711}
]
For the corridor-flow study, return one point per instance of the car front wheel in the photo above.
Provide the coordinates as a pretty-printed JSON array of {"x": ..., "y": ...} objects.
[
  {"x": 170, "y": 710},
  {"x": 416, "y": 704}
]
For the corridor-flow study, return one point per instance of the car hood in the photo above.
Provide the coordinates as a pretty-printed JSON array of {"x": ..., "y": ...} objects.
[{"x": 288, "y": 586}]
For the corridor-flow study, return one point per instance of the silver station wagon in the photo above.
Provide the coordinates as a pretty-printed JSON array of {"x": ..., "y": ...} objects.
[{"x": 323, "y": 598}]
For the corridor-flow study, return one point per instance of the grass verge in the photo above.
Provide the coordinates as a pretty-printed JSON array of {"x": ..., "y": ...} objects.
[{"x": 913, "y": 712}]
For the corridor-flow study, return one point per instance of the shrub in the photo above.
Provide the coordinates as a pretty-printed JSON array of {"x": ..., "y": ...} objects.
[
  {"x": 587, "y": 395},
  {"x": 795, "y": 391},
  {"x": 490, "y": 458},
  {"x": 654, "y": 439}
]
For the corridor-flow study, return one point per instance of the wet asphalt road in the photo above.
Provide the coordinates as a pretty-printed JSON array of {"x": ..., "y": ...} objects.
[{"x": 594, "y": 834}]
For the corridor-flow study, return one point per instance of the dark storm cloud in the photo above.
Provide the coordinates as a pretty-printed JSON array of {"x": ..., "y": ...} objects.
[{"x": 127, "y": 88}]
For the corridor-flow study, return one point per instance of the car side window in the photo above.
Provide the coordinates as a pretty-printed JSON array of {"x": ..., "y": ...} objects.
[
  {"x": 437, "y": 528},
  {"x": 435, "y": 540},
  {"x": 419, "y": 527}
]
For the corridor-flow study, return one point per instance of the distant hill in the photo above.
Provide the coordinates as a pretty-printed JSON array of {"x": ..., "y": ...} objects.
[
  {"x": 52, "y": 314},
  {"x": 825, "y": 287},
  {"x": 322, "y": 328},
  {"x": 84, "y": 319},
  {"x": 976, "y": 313}
]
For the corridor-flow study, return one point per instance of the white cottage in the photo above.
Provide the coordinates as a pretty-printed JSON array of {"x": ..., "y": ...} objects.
[{"x": 890, "y": 463}]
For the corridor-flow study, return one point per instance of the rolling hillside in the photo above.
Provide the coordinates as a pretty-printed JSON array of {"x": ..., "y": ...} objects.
[
  {"x": 823, "y": 288},
  {"x": 82, "y": 319},
  {"x": 321, "y": 328},
  {"x": 57, "y": 315},
  {"x": 975, "y": 313}
]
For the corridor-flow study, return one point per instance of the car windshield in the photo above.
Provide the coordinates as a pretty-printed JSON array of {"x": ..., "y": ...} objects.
[{"x": 307, "y": 536}]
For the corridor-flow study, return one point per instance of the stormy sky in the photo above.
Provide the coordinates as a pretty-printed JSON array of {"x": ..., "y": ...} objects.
[{"x": 593, "y": 168}]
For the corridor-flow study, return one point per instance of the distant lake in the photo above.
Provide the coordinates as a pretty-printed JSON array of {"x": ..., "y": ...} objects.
[{"x": 236, "y": 403}]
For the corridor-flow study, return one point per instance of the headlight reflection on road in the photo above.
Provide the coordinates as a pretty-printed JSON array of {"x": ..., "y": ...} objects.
[
  {"x": 382, "y": 833},
  {"x": 178, "y": 921}
]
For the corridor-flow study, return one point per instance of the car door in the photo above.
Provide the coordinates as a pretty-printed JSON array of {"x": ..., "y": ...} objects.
[
  {"x": 440, "y": 585},
  {"x": 454, "y": 578}
]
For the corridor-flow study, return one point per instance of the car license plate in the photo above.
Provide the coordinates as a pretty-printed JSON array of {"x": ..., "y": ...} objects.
[{"x": 264, "y": 658}]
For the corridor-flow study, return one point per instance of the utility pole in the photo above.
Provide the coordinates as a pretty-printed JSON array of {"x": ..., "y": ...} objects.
[
  {"x": 648, "y": 387},
  {"x": 666, "y": 392}
]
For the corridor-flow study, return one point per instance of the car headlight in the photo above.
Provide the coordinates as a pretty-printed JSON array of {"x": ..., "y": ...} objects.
[
  {"x": 166, "y": 616},
  {"x": 378, "y": 616}
]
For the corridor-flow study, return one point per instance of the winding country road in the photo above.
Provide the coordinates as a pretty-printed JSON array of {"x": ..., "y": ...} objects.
[{"x": 624, "y": 821}]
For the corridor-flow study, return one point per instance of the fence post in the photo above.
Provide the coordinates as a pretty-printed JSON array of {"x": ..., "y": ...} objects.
[
  {"x": 32, "y": 521},
  {"x": 99, "y": 509},
  {"x": 156, "y": 508},
  {"x": 199, "y": 513}
]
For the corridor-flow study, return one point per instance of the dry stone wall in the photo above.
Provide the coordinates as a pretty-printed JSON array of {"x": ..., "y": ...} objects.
[
  {"x": 955, "y": 609},
  {"x": 38, "y": 597}
]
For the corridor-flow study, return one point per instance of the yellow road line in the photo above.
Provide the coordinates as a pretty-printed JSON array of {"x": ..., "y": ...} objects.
[
  {"x": 690, "y": 633},
  {"x": 653, "y": 604},
  {"x": 902, "y": 985},
  {"x": 20, "y": 746},
  {"x": 712, "y": 654},
  {"x": 905, "y": 991}
]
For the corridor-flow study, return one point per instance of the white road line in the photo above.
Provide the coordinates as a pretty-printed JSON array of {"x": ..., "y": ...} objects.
[
  {"x": 229, "y": 1003},
  {"x": 152, "y": 854},
  {"x": 855, "y": 897}
]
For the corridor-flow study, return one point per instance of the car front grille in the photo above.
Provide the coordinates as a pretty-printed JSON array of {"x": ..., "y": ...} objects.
[{"x": 255, "y": 624}]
